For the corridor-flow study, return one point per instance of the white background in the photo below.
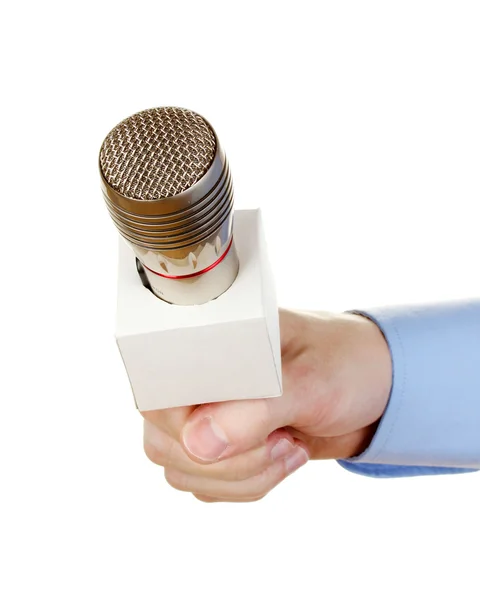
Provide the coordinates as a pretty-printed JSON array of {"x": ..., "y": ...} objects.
[{"x": 356, "y": 127}]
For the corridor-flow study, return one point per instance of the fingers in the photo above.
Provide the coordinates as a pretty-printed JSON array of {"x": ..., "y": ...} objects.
[
  {"x": 243, "y": 478},
  {"x": 216, "y": 432},
  {"x": 167, "y": 452},
  {"x": 250, "y": 489}
]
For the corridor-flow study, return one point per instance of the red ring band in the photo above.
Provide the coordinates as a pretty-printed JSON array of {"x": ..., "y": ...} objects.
[{"x": 189, "y": 275}]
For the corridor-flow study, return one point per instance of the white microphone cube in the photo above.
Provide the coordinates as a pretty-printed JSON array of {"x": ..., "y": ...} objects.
[{"x": 226, "y": 349}]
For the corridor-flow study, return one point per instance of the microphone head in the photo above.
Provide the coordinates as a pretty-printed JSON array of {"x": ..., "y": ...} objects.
[
  {"x": 168, "y": 188},
  {"x": 157, "y": 153}
]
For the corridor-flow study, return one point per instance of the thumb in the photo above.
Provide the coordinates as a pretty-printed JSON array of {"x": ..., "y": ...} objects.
[{"x": 217, "y": 431}]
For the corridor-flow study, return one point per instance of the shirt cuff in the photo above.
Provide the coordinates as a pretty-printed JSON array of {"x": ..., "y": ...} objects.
[{"x": 432, "y": 421}]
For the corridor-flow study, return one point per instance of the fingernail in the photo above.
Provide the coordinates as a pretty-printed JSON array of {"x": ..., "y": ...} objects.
[
  {"x": 298, "y": 458},
  {"x": 281, "y": 448},
  {"x": 205, "y": 439}
]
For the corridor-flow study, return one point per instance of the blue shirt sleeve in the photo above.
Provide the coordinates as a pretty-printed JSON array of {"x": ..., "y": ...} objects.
[{"x": 432, "y": 421}]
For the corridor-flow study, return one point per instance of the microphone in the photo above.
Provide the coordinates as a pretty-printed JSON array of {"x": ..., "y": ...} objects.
[{"x": 168, "y": 188}]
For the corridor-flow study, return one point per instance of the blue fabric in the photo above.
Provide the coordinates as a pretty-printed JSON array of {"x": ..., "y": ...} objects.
[{"x": 432, "y": 421}]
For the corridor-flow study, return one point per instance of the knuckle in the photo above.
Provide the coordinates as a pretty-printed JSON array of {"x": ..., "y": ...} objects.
[
  {"x": 154, "y": 455},
  {"x": 159, "y": 447},
  {"x": 176, "y": 480}
]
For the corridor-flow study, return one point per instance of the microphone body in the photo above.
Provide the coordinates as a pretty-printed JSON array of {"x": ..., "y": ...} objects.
[{"x": 168, "y": 188}]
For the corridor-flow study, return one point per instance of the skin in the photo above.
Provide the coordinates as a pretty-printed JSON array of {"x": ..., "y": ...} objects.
[{"x": 337, "y": 376}]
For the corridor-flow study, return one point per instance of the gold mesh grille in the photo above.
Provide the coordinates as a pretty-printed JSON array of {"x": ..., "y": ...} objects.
[{"x": 157, "y": 153}]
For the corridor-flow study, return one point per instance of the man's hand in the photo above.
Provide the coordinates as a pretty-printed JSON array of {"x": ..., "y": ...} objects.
[{"x": 337, "y": 376}]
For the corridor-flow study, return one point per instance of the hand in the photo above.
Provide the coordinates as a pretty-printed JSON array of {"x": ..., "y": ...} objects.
[{"x": 337, "y": 376}]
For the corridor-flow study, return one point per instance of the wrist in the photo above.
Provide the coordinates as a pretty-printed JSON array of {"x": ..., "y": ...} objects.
[
  {"x": 380, "y": 363},
  {"x": 370, "y": 380}
]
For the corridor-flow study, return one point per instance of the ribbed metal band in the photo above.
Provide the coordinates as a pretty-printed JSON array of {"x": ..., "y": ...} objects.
[{"x": 166, "y": 222}]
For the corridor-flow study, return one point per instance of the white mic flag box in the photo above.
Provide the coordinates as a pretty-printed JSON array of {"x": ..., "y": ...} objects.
[{"x": 226, "y": 349}]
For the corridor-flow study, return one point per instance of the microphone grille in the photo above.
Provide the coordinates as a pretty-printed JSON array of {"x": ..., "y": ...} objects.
[{"x": 157, "y": 153}]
